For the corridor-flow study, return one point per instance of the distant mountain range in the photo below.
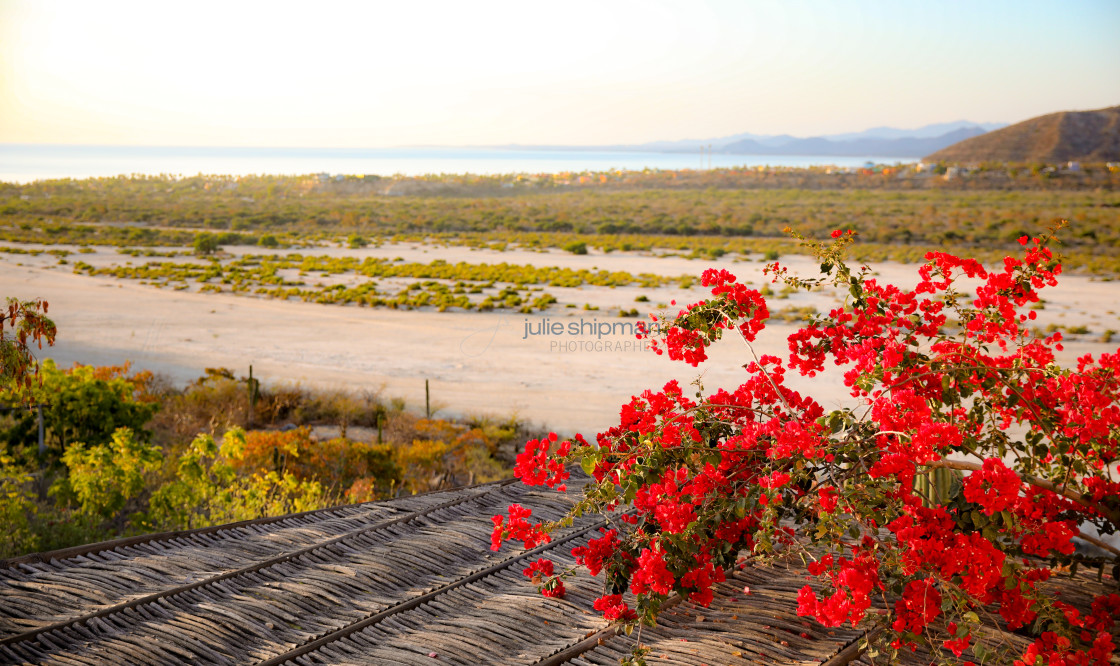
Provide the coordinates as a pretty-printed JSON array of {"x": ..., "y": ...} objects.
[
  {"x": 856, "y": 144},
  {"x": 1066, "y": 136},
  {"x": 871, "y": 147},
  {"x": 1082, "y": 136},
  {"x": 874, "y": 142}
]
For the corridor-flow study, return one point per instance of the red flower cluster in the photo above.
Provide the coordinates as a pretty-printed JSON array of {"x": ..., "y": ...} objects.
[
  {"x": 651, "y": 574},
  {"x": 614, "y": 608},
  {"x": 597, "y": 552},
  {"x": 920, "y": 604},
  {"x": 539, "y": 570},
  {"x": 735, "y": 307},
  {"x": 828, "y": 499},
  {"x": 939, "y": 376},
  {"x": 747, "y": 306},
  {"x": 853, "y": 582},
  {"x": 537, "y": 466},
  {"x": 1055, "y": 650},
  {"x": 684, "y": 345},
  {"x": 542, "y": 573},
  {"x": 957, "y": 645},
  {"x": 1053, "y": 537},
  {"x": 995, "y": 487},
  {"x": 700, "y": 580},
  {"x": 517, "y": 529}
]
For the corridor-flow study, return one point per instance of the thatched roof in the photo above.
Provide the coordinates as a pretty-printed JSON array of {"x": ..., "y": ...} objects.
[{"x": 405, "y": 581}]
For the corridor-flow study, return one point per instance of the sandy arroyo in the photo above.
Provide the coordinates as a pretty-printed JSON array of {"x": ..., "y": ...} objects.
[{"x": 478, "y": 363}]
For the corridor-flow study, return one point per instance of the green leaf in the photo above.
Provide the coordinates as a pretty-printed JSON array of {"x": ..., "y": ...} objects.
[
  {"x": 589, "y": 463},
  {"x": 856, "y": 291}
]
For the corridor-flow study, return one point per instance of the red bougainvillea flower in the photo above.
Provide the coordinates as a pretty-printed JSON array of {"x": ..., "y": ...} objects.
[
  {"x": 995, "y": 487},
  {"x": 614, "y": 608},
  {"x": 880, "y": 496},
  {"x": 517, "y": 529},
  {"x": 920, "y": 604},
  {"x": 652, "y": 575}
]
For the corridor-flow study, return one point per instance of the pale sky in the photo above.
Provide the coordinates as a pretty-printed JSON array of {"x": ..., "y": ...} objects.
[{"x": 415, "y": 72}]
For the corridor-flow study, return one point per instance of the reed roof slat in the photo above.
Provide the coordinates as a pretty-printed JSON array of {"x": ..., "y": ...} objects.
[{"x": 384, "y": 583}]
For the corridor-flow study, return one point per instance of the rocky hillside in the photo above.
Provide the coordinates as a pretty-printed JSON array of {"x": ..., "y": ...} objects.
[{"x": 1081, "y": 136}]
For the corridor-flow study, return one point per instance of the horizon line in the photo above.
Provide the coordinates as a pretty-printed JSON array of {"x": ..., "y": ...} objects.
[{"x": 513, "y": 145}]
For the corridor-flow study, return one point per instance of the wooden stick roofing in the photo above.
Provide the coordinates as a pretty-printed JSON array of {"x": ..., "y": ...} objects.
[{"x": 381, "y": 583}]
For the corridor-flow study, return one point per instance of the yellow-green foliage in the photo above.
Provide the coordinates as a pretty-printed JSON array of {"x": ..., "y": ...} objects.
[
  {"x": 720, "y": 210},
  {"x": 17, "y": 507},
  {"x": 423, "y": 463},
  {"x": 84, "y": 404},
  {"x": 103, "y": 477},
  {"x": 258, "y": 274},
  {"x": 109, "y": 484},
  {"x": 444, "y": 454},
  {"x": 207, "y": 490},
  {"x": 338, "y": 464}
]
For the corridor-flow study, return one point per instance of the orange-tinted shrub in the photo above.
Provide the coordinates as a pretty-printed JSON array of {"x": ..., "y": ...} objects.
[{"x": 336, "y": 463}]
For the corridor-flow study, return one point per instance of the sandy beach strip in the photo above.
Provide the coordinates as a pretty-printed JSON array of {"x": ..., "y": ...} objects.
[{"x": 490, "y": 363}]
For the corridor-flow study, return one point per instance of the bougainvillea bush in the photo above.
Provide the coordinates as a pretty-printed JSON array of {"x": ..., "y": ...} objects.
[{"x": 942, "y": 498}]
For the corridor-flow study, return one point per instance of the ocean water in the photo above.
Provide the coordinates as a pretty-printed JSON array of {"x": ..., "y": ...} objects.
[{"x": 22, "y": 163}]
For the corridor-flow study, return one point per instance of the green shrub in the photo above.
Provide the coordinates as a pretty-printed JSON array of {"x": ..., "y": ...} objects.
[
  {"x": 17, "y": 508},
  {"x": 206, "y": 243},
  {"x": 103, "y": 477}
]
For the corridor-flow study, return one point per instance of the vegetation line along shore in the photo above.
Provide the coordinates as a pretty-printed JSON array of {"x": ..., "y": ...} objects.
[{"x": 899, "y": 211}]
